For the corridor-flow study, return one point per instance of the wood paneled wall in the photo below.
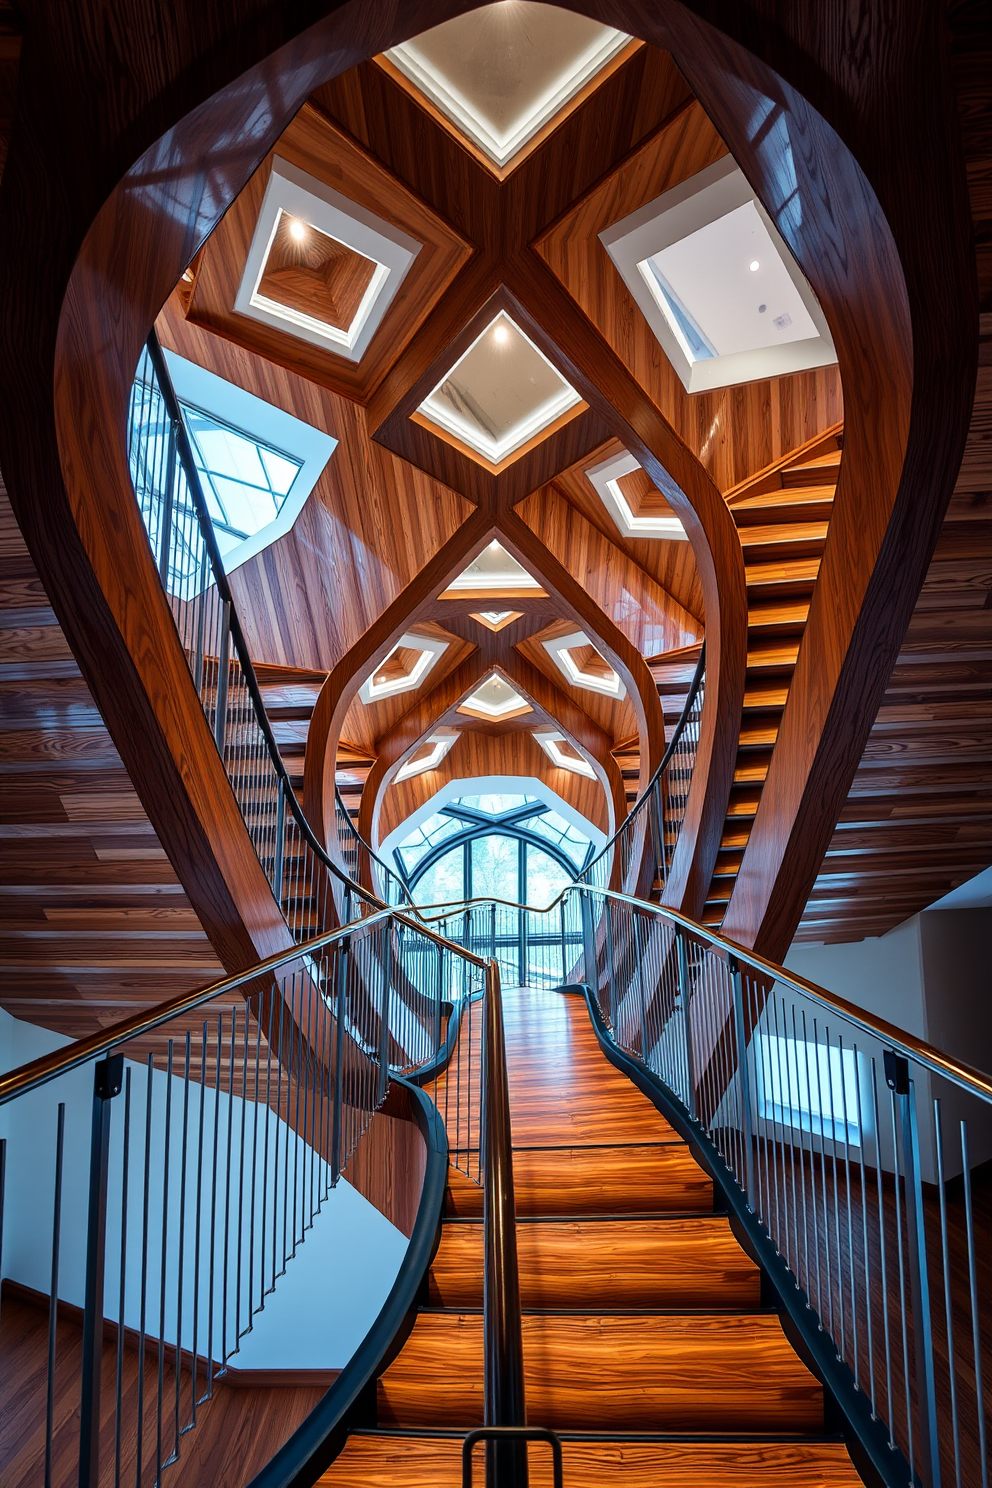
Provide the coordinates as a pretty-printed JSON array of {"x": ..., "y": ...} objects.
[
  {"x": 94, "y": 922},
  {"x": 370, "y": 524},
  {"x": 733, "y": 431},
  {"x": 477, "y": 753}
]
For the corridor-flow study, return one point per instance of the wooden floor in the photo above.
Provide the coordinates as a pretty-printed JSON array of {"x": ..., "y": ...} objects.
[{"x": 645, "y": 1343}]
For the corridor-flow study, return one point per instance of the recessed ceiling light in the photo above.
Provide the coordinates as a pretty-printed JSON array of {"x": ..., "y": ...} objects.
[
  {"x": 754, "y": 266},
  {"x": 297, "y": 230},
  {"x": 501, "y": 334}
]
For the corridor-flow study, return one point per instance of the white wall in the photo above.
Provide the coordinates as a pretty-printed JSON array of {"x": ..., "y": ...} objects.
[
  {"x": 332, "y": 1288},
  {"x": 930, "y": 976}
]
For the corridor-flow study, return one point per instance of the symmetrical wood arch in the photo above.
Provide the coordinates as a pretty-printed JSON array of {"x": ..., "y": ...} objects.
[{"x": 861, "y": 134}]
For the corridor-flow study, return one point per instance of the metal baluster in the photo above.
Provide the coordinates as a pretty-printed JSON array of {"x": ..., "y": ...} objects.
[
  {"x": 969, "y": 1224},
  {"x": 53, "y": 1296}
]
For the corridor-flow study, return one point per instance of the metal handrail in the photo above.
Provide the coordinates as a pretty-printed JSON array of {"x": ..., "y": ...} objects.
[
  {"x": 59, "y": 1061},
  {"x": 506, "y": 1461},
  {"x": 673, "y": 744},
  {"x": 185, "y": 453},
  {"x": 390, "y": 873},
  {"x": 939, "y": 1063}
]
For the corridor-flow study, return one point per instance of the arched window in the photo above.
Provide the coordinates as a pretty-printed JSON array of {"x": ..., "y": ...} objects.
[{"x": 493, "y": 847}]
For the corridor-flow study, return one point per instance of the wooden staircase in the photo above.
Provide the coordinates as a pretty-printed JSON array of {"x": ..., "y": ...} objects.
[
  {"x": 645, "y": 1342},
  {"x": 782, "y": 517}
]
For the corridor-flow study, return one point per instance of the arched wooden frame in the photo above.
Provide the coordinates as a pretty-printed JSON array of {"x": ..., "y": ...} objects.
[{"x": 845, "y": 106}]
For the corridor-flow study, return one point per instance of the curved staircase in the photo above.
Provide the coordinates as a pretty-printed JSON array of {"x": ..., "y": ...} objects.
[{"x": 646, "y": 1345}]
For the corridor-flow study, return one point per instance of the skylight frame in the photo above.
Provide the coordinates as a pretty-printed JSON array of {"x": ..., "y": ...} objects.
[
  {"x": 430, "y": 648},
  {"x": 500, "y": 150},
  {"x": 560, "y": 649},
  {"x": 293, "y": 192},
  {"x": 704, "y": 198},
  {"x": 550, "y": 740},
  {"x": 252, "y": 416},
  {"x": 510, "y": 580},
  {"x": 515, "y": 704},
  {"x": 442, "y": 746},
  {"x": 605, "y": 480},
  {"x": 497, "y": 451}
]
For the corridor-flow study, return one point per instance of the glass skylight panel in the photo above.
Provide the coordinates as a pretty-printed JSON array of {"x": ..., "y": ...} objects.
[
  {"x": 715, "y": 280},
  {"x": 724, "y": 289},
  {"x": 499, "y": 394},
  {"x": 493, "y": 805},
  {"x": 245, "y": 482}
]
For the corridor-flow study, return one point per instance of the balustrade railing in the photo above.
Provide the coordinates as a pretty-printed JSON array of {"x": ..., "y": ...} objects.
[
  {"x": 157, "y": 1180},
  {"x": 314, "y": 892},
  {"x": 652, "y": 826},
  {"x": 854, "y": 1149}
]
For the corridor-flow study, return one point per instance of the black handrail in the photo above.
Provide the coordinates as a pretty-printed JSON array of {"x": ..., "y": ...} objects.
[
  {"x": 673, "y": 743},
  {"x": 505, "y": 1405},
  {"x": 185, "y": 453}
]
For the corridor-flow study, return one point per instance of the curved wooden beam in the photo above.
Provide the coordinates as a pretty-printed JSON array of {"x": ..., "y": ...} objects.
[
  {"x": 606, "y": 385},
  {"x": 335, "y": 697},
  {"x": 87, "y": 258},
  {"x": 406, "y": 735}
]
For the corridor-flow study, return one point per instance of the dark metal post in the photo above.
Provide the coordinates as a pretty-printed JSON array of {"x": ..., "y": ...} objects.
[
  {"x": 658, "y": 832},
  {"x": 387, "y": 977},
  {"x": 277, "y": 871},
  {"x": 897, "y": 1077},
  {"x": 734, "y": 967},
  {"x": 223, "y": 667},
  {"x": 564, "y": 942},
  {"x": 108, "y": 1076},
  {"x": 506, "y": 1461},
  {"x": 337, "y": 1074},
  {"x": 588, "y": 942},
  {"x": 165, "y": 531},
  {"x": 685, "y": 990}
]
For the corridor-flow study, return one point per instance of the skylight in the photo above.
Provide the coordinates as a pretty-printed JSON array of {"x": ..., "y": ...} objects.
[
  {"x": 428, "y": 756},
  {"x": 578, "y": 660},
  {"x": 606, "y": 480},
  {"x": 494, "y": 699},
  {"x": 320, "y": 266},
  {"x": 496, "y": 620},
  {"x": 257, "y": 466},
  {"x": 405, "y": 667},
  {"x": 717, "y": 283},
  {"x": 499, "y": 394},
  {"x": 494, "y": 572},
  {"x": 500, "y": 73},
  {"x": 561, "y": 754}
]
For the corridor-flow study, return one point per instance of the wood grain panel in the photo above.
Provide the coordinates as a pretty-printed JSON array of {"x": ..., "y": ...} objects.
[
  {"x": 608, "y": 1179},
  {"x": 634, "y": 1372},
  {"x": 314, "y": 144},
  {"x": 610, "y": 1264},
  {"x": 388, "y": 1461},
  {"x": 93, "y": 920},
  {"x": 476, "y": 754},
  {"x": 370, "y": 525},
  {"x": 733, "y": 431}
]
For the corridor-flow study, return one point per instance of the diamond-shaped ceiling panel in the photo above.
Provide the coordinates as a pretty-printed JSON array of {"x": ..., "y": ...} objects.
[
  {"x": 499, "y": 394},
  {"x": 500, "y": 73}
]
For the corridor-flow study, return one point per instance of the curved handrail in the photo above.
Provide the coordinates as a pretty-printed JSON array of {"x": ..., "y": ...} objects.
[
  {"x": 654, "y": 782},
  {"x": 933, "y": 1059},
  {"x": 389, "y": 873},
  {"x": 185, "y": 454},
  {"x": 60, "y": 1061}
]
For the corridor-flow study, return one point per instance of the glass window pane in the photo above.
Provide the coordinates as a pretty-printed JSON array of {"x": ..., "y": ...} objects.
[
  {"x": 546, "y": 878},
  {"x": 443, "y": 883},
  {"x": 245, "y": 481},
  {"x": 494, "y": 868}
]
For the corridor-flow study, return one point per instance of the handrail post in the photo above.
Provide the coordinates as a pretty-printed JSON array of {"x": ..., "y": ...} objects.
[
  {"x": 107, "y": 1080},
  {"x": 277, "y": 870},
  {"x": 506, "y": 1461},
  {"x": 898, "y": 1079},
  {"x": 589, "y": 967},
  {"x": 223, "y": 668},
  {"x": 338, "y": 1072},
  {"x": 658, "y": 830},
  {"x": 744, "y": 1083},
  {"x": 384, "y": 1013},
  {"x": 685, "y": 990}
]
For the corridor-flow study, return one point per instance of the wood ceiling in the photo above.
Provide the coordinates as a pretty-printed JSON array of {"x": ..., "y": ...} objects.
[{"x": 394, "y": 494}]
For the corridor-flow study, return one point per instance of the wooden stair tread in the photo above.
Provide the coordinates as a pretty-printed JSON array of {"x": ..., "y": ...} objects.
[
  {"x": 625, "y": 1371},
  {"x": 783, "y": 534},
  {"x": 385, "y": 1460},
  {"x": 609, "y": 1263},
  {"x": 596, "y": 1180}
]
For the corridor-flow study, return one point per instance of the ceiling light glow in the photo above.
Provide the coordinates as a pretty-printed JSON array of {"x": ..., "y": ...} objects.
[
  {"x": 501, "y": 334},
  {"x": 297, "y": 230},
  {"x": 754, "y": 266}
]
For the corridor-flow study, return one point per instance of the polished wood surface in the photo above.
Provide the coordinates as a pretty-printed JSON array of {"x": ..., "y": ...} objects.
[
  {"x": 384, "y": 1460},
  {"x": 314, "y": 144},
  {"x": 637, "y": 1263},
  {"x": 646, "y": 1322},
  {"x": 93, "y": 920},
  {"x": 633, "y": 1371}
]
